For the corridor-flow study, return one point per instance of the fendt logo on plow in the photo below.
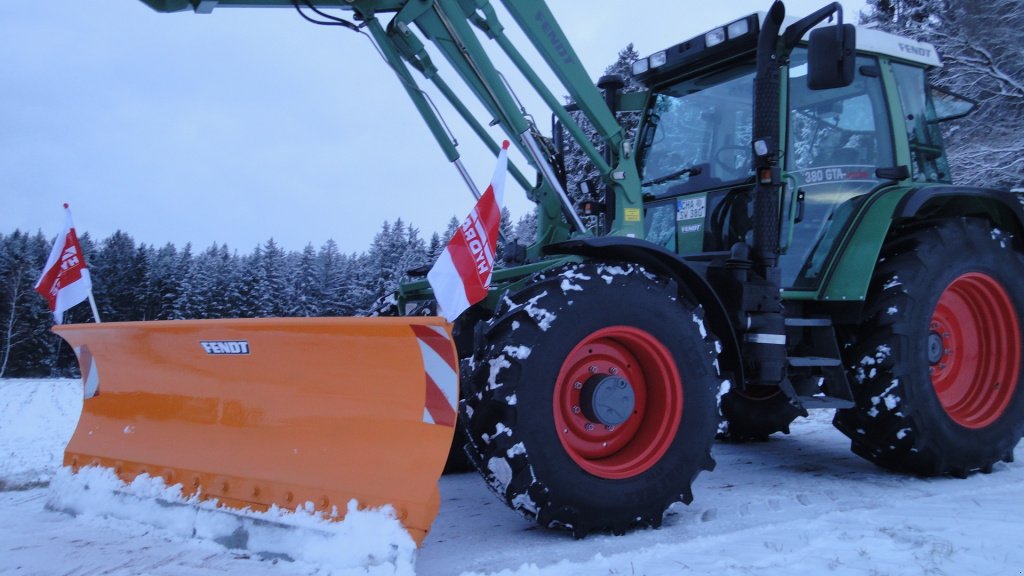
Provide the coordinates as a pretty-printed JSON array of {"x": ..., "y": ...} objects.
[{"x": 225, "y": 346}]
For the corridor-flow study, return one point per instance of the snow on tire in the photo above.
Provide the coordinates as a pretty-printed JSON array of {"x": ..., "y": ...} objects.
[
  {"x": 936, "y": 366},
  {"x": 592, "y": 405}
]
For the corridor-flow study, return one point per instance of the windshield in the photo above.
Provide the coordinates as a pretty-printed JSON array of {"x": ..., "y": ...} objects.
[{"x": 697, "y": 134}]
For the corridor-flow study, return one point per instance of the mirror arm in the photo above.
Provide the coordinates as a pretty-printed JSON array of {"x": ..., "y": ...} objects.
[{"x": 799, "y": 29}]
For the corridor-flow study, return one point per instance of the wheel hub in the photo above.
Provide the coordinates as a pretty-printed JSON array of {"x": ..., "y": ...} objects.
[
  {"x": 935, "y": 348},
  {"x": 618, "y": 402},
  {"x": 607, "y": 399}
]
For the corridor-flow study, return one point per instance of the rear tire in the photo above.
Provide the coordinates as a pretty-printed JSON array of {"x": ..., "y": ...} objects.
[
  {"x": 938, "y": 361},
  {"x": 592, "y": 403}
]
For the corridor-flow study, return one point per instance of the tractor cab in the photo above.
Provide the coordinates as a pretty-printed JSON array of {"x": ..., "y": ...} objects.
[{"x": 837, "y": 144}]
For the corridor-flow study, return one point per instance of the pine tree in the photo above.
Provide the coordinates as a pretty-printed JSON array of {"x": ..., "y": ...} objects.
[
  {"x": 304, "y": 291},
  {"x": 331, "y": 269},
  {"x": 526, "y": 228},
  {"x": 273, "y": 295},
  {"x": 25, "y": 340},
  {"x": 250, "y": 282},
  {"x": 225, "y": 286},
  {"x": 435, "y": 247},
  {"x": 161, "y": 283},
  {"x": 117, "y": 273},
  {"x": 396, "y": 250}
]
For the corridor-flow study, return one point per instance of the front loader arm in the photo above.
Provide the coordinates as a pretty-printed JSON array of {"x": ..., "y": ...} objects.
[{"x": 402, "y": 28}]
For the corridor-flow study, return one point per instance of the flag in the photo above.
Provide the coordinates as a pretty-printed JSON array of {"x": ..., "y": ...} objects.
[
  {"x": 462, "y": 274},
  {"x": 65, "y": 280}
]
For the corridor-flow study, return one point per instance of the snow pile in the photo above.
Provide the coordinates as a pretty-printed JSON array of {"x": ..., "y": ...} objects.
[
  {"x": 38, "y": 417},
  {"x": 365, "y": 542}
]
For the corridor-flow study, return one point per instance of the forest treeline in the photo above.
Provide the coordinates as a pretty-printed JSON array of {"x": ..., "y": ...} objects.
[{"x": 138, "y": 281}]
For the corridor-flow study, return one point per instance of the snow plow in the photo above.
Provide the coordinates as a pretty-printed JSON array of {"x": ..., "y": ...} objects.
[
  {"x": 781, "y": 234},
  {"x": 275, "y": 412}
]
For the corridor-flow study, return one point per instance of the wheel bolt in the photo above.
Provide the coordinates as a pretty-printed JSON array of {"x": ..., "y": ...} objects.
[
  {"x": 589, "y": 427},
  {"x": 575, "y": 409},
  {"x": 613, "y": 370},
  {"x": 578, "y": 385},
  {"x": 592, "y": 369}
]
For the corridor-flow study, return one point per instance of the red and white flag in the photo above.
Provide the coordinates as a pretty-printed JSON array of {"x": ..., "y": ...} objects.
[
  {"x": 65, "y": 280},
  {"x": 462, "y": 274}
]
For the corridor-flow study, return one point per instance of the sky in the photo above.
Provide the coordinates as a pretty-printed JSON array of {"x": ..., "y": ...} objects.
[{"x": 244, "y": 125}]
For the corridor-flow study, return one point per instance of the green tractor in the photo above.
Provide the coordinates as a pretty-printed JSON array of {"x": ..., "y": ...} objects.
[
  {"x": 782, "y": 234},
  {"x": 779, "y": 234}
]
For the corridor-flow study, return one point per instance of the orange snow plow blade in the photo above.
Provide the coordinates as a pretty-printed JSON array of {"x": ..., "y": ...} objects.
[{"x": 278, "y": 411}]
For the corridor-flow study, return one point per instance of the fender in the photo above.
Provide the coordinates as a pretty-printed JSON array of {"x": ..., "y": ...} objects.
[
  {"x": 848, "y": 277},
  {"x": 1004, "y": 209},
  {"x": 662, "y": 261}
]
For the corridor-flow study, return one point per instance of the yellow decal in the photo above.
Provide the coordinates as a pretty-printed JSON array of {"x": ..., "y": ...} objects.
[{"x": 632, "y": 214}]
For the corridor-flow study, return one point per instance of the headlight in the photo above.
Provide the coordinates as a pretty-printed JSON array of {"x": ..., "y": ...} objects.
[
  {"x": 640, "y": 66},
  {"x": 714, "y": 38},
  {"x": 658, "y": 59},
  {"x": 738, "y": 28}
]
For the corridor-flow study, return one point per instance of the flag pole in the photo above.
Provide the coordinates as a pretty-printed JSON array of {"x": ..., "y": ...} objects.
[{"x": 92, "y": 303}]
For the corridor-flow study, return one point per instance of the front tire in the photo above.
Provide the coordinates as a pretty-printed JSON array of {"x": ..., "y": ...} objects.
[
  {"x": 592, "y": 403},
  {"x": 938, "y": 361}
]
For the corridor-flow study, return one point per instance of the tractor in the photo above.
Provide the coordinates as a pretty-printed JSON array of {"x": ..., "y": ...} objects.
[{"x": 776, "y": 232}]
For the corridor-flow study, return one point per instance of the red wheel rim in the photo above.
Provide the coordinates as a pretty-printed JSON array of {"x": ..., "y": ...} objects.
[
  {"x": 976, "y": 369},
  {"x": 638, "y": 443}
]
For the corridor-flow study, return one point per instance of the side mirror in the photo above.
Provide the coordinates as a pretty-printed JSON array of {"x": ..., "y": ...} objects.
[{"x": 831, "y": 55}]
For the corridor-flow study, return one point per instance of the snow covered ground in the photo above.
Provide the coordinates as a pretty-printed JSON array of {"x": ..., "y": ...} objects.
[{"x": 799, "y": 504}]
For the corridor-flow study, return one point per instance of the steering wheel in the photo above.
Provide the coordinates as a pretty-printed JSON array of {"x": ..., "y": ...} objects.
[{"x": 733, "y": 158}]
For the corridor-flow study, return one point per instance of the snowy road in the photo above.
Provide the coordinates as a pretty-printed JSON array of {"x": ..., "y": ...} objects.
[{"x": 799, "y": 504}]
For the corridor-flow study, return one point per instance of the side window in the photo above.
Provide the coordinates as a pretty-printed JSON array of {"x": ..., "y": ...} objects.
[
  {"x": 836, "y": 139},
  {"x": 926, "y": 152},
  {"x": 844, "y": 127}
]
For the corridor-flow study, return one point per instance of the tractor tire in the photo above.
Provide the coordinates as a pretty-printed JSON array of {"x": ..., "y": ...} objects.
[
  {"x": 458, "y": 461},
  {"x": 592, "y": 406},
  {"x": 755, "y": 414},
  {"x": 937, "y": 364}
]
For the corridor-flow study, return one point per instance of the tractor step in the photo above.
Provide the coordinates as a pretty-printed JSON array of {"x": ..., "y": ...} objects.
[
  {"x": 811, "y": 361},
  {"x": 815, "y": 364}
]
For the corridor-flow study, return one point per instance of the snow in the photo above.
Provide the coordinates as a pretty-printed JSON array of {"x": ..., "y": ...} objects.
[
  {"x": 798, "y": 504},
  {"x": 541, "y": 316}
]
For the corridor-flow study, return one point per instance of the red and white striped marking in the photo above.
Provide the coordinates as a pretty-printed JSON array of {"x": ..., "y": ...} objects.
[
  {"x": 441, "y": 371},
  {"x": 90, "y": 376}
]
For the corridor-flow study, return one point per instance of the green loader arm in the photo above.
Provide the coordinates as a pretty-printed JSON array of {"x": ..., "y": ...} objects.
[{"x": 401, "y": 29}]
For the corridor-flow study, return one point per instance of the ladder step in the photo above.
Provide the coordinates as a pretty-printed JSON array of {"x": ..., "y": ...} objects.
[
  {"x": 809, "y": 322},
  {"x": 812, "y": 361}
]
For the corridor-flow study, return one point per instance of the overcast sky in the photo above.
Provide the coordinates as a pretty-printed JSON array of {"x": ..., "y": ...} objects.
[{"x": 248, "y": 124}]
